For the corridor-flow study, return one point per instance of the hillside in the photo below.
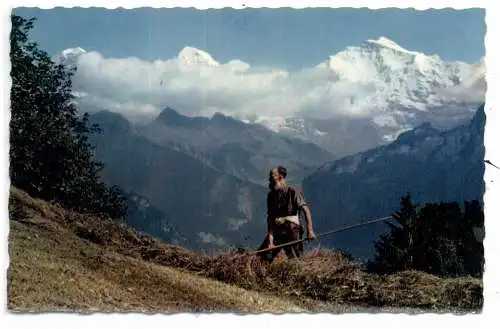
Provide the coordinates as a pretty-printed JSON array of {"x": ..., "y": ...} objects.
[
  {"x": 64, "y": 261},
  {"x": 209, "y": 208},
  {"x": 55, "y": 267},
  {"x": 146, "y": 218},
  {"x": 430, "y": 164}
]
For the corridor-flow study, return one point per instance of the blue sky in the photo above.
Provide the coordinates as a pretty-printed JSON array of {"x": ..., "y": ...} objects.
[{"x": 285, "y": 38}]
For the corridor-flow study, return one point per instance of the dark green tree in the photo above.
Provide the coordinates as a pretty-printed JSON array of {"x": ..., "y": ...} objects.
[
  {"x": 438, "y": 238},
  {"x": 50, "y": 155},
  {"x": 440, "y": 228},
  {"x": 472, "y": 248},
  {"x": 395, "y": 251}
]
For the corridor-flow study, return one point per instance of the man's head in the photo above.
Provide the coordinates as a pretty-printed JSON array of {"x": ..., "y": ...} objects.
[{"x": 277, "y": 177}]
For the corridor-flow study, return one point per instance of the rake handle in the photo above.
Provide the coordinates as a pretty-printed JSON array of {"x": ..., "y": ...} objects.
[{"x": 321, "y": 235}]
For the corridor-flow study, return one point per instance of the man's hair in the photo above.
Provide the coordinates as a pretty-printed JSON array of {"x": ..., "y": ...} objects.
[{"x": 282, "y": 171}]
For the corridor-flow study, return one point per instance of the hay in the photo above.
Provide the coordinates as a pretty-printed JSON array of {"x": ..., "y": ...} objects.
[{"x": 320, "y": 275}]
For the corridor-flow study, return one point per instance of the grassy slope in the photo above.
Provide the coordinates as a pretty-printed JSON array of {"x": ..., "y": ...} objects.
[
  {"x": 52, "y": 269},
  {"x": 63, "y": 261}
]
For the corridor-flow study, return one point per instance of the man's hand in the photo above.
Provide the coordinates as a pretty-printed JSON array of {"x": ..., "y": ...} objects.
[
  {"x": 311, "y": 235},
  {"x": 270, "y": 241}
]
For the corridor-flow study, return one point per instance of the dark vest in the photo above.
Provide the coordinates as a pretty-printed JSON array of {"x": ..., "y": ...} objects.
[{"x": 281, "y": 203}]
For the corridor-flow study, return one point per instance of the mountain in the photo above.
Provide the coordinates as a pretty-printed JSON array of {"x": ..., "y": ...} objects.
[
  {"x": 430, "y": 164},
  {"x": 386, "y": 89},
  {"x": 399, "y": 76},
  {"x": 192, "y": 56},
  {"x": 341, "y": 136},
  {"x": 361, "y": 97},
  {"x": 244, "y": 150},
  {"x": 209, "y": 208}
]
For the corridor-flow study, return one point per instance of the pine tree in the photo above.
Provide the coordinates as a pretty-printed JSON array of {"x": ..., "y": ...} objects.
[
  {"x": 440, "y": 227},
  {"x": 438, "y": 238},
  {"x": 395, "y": 251},
  {"x": 472, "y": 232},
  {"x": 50, "y": 156}
]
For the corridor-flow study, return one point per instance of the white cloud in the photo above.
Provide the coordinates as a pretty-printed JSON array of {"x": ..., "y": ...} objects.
[{"x": 350, "y": 83}]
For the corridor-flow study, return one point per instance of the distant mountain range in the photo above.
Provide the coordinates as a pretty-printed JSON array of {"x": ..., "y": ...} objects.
[
  {"x": 384, "y": 89},
  {"x": 432, "y": 165},
  {"x": 244, "y": 150},
  {"x": 359, "y": 98}
]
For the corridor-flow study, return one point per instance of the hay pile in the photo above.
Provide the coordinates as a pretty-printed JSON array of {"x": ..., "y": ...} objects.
[{"x": 330, "y": 276}]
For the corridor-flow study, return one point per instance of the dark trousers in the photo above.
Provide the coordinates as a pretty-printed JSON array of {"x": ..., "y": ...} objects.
[{"x": 284, "y": 233}]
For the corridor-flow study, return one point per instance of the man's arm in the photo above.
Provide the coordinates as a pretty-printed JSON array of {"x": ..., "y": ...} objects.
[
  {"x": 302, "y": 204},
  {"x": 270, "y": 219},
  {"x": 309, "y": 224},
  {"x": 270, "y": 236}
]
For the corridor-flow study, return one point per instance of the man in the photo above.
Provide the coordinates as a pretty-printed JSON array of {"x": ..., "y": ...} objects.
[{"x": 284, "y": 204}]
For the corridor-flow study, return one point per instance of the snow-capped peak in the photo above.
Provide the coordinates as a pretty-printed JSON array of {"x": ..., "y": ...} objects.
[
  {"x": 373, "y": 57},
  {"x": 392, "y": 88},
  {"x": 194, "y": 56},
  {"x": 390, "y": 74},
  {"x": 237, "y": 65},
  {"x": 386, "y": 43}
]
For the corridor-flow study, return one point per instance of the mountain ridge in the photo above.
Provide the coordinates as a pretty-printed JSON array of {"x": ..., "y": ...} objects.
[
  {"x": 244, "y": 150},
  {"x": 430, "y": 164}
]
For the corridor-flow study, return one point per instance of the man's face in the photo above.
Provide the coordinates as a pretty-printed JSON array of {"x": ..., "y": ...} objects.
[{"x": 276, "y": 178}]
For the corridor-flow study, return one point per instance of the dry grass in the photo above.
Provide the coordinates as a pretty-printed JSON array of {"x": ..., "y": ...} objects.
[
  {"x": 66, "y": 261},
  {"x": 60, "y": 273},
  {"x": 101, "y": 231},
  {"x": 330, "y": 277},
  {"x": 51, "y": 269}
]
